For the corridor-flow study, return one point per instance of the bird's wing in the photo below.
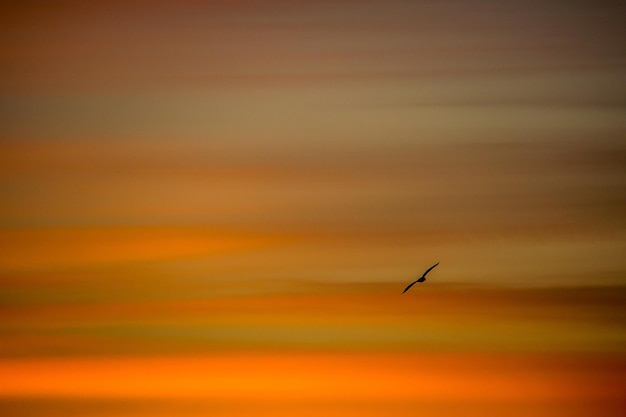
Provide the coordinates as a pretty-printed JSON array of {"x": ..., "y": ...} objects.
[
  {"x": 409, "y": 286},
  {"x": 428, "y": 270}
]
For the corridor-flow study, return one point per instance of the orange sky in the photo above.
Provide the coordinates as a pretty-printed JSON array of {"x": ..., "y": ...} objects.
[
  {"x": 486, "y": 135},
  {"x": 212, "y": 208},
  {"x": 360, "y": 350}
]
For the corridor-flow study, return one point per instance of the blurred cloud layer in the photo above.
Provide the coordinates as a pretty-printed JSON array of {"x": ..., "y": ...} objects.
[{"x": 231, "y": 195}]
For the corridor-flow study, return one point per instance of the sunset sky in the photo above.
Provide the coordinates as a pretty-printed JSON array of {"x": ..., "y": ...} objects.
[{"x": 211, "y": 208}]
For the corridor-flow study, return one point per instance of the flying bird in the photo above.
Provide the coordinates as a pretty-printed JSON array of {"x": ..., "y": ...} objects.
[{"x": 421, "y": 279}]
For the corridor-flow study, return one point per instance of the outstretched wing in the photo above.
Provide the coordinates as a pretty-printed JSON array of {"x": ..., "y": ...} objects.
[
  {"x": 422, "y": 278},
  {"x": 407, "y": 288},
  {"x": 428, "y": 270}
]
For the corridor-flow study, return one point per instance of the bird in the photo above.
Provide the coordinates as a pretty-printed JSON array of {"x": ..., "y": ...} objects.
[{"x": 421, "y": 279}]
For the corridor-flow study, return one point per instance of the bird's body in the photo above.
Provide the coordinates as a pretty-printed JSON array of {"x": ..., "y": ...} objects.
[{"x": 421, "y": 279}]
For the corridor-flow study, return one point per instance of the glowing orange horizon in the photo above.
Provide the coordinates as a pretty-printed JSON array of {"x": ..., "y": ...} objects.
[{"x": 317, "y": 376}]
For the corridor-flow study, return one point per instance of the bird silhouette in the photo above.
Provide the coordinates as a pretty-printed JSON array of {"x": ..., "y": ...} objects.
[{"x": 421, "y": 279}]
